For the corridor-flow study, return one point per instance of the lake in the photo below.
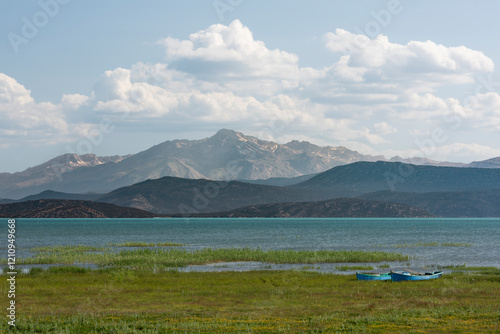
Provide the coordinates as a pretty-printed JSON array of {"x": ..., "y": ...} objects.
[{"x": 478, "y": 239}]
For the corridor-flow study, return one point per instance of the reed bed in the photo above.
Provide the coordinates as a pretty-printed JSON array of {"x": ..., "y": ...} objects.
[{"x": 173, "y": 257}]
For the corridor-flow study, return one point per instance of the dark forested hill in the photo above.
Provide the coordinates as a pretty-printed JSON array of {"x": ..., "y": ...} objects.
[
  {"x": 170, "y": 195},
  {"x": 69, "y": 209},
  {"x": 335, "y": 208},
  {"x": 484, "y": 203},
  {"x": 365, "y": 177}
]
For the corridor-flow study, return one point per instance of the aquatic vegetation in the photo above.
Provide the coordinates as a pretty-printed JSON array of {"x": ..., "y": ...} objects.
[
  {"x": 434, "y": 244},
  {"x": 346, "y": 268},
  {"x": 145, "y": 244},
  {"x": 426, "y": 244},
  {"x": 68, "y": 248},
  {"x": 160, "y": 258},
  {"x": 455, "y": 244},
  {"x": 464, "y": 267}
]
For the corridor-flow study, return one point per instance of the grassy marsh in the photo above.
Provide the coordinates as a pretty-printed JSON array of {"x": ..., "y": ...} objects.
[
  {"x": 131, "y": 301},
  {"x": 147, "y": 258}
]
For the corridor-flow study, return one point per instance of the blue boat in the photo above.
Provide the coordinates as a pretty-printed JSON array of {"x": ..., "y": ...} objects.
[
  {"x": 373, "y": 276},
  {"x": 414, "y": 276}
]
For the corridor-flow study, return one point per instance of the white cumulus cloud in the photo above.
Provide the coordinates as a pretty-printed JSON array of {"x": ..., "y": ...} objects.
[
  {"x": 416, "y": 60},
  {"x": 231, "y": 55},
  {"x": 23, "y": 119}
]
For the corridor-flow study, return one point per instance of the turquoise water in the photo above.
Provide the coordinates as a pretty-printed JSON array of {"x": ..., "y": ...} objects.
[{"x": 298, "y": 234}]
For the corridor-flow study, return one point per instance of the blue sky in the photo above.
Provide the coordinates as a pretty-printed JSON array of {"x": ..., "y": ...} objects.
[{"x": 112, "y": 77}]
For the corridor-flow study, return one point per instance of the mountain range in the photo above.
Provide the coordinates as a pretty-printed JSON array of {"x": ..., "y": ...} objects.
[
  {"x": 439, "y": 191},
  {"x": 227, "y": 155},
  {"x": 230, "y": 174}
]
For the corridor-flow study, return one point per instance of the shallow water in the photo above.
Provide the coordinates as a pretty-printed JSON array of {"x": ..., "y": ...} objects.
[{"x": 483, "y": 235}]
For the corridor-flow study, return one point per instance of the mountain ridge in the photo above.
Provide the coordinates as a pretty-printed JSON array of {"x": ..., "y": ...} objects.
[
  {"x": 441, "y": 191},
  {"x": 227, "y": 155},
  {"x": 365, "y": 177}
]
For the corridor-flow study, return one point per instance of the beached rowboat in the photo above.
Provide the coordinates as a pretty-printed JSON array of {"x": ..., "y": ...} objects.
[
  {"x": 407, "y": 276},
  {"x": 373, "y": 276}
]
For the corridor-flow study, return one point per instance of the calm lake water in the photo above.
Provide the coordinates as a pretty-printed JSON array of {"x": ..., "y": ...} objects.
[{"x": 483, "y": 236}]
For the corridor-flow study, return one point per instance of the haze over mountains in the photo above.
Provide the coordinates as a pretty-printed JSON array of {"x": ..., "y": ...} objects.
[{"x": 228, "y": 155}]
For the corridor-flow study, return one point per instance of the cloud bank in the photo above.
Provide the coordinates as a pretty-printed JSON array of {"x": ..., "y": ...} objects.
[{"x": 377, "y": 96}]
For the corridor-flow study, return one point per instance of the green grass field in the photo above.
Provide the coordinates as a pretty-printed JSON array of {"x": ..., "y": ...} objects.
[
  {"x": 131, "y": 297},
  {"x": 77, "y": 300}
]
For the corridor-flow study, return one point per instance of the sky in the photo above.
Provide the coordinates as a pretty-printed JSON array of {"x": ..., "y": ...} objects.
[{"x": 393, "y": 77}]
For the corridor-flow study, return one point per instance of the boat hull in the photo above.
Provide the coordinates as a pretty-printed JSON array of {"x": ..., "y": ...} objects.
[
  {"x": 373, "y": 277},
  {"x": 406, "y": 276}
]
